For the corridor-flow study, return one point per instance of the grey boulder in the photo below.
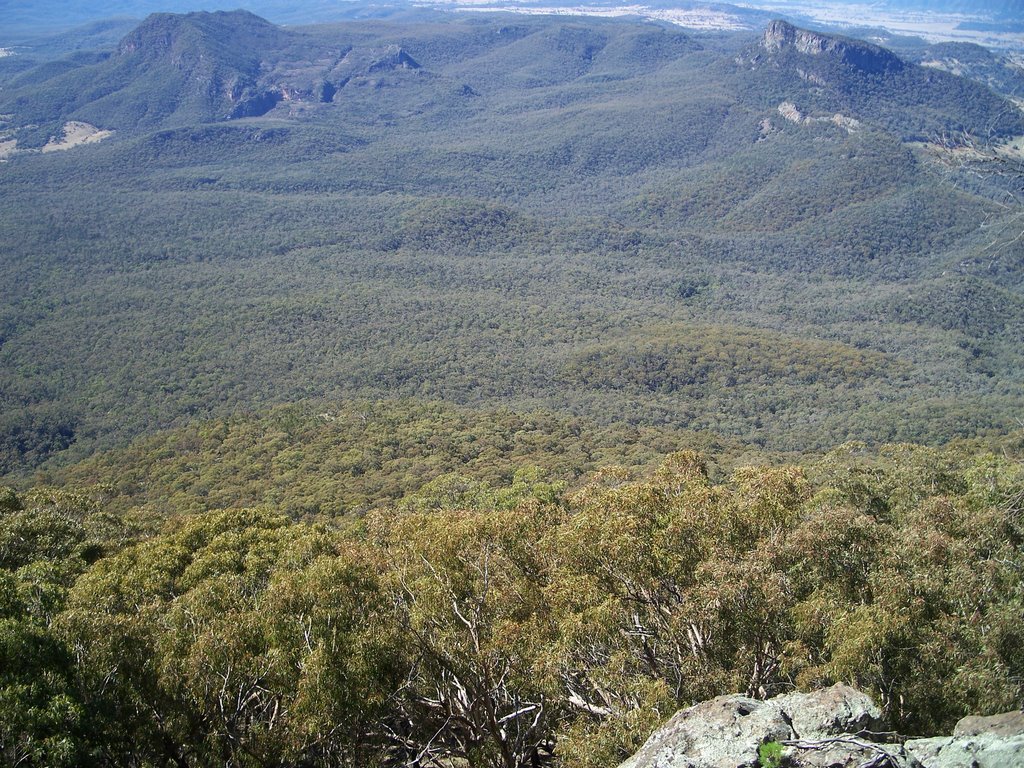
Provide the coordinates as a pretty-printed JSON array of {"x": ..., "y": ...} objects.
[
  {"x": 817, "y": 729},
  {"x": 977, "y": 742}
]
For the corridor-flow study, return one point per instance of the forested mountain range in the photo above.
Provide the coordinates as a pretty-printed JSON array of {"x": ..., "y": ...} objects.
[
  {"x": 714, "y": 232},
  {"x": 206, "y": 67},
  {"x": 472, "y": 390}
]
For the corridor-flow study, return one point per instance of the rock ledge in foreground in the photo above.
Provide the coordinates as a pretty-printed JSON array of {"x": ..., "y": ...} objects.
[{"x": 830, "y": 728}]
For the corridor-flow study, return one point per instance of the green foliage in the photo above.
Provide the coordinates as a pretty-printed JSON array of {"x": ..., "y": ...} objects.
[
  {"x": 41, "y": 720},
  {"x": 335, "y": 459},
  {"x": 48, "y": 538},
  {"x": 769, "y": 755},
  {"x": 605, "y": 220},
  {"x": 537, "y": 200},
  {"x": 854, "y": 76},
  {"x": 236, "y": 637},
  {"x": 468, "y": 588},
  {"x": 512, "y": 622},
  {"x": 892, "y": 582}
]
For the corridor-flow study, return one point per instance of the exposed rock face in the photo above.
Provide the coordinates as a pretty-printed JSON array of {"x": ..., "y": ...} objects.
[
  {"x": 828, "y": 712},
  {"x": 789, "y": 111},
  {"x": 977, "y": 742},
  {"x": 394, "y": 58},
  {"x": 827, "y": 74},
  {"x": 830, "y": 728},
  {"x": 1009, "y": 724},
  {"x": 727, "y": 732},
  {"x": 233, "y": 64},
  {"x": 986, "y": 751},
  {"x": 256, "y": 104},
  {"x": 724, "y": 731},
  {"x": 782, "y": 36}
]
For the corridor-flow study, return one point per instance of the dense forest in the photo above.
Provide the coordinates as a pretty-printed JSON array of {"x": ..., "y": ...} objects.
[
  {"x": 479, "y": 391},
  {"x": 609, "y": 220},
  {"x": 512, "y": 623}
]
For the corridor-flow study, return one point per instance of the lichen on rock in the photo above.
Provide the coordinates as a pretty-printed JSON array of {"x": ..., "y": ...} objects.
[{"x": 830, "y": 728}]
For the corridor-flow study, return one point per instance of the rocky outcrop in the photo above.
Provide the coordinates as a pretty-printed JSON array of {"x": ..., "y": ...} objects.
[
  {"x": 828, "y": 74},
  {"x": 393, "y": 58},
  {"x": 1008, "y": 724},
  {"x": 977, "y": 742},
  {"x": 783, "y": 36},
  {"x": 255, "y": 104},
  {"x": 816, "y": 729},
  {"x": 831, "y": 728},
  {"x": 790, "y": 112}
]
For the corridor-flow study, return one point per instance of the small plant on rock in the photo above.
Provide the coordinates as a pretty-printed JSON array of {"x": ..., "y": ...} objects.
[{"x": 769, "y": 755}]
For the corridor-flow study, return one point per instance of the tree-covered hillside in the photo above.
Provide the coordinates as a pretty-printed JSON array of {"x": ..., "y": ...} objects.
[
  {"x": 466, "y": 391},
  {"x": 605, "y": 219},
  {"x": 344, "y": 459},
  {"x": 508, "y": 625}
]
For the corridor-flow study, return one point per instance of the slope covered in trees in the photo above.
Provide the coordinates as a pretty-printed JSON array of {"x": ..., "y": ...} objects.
[
  {"x": 394, "y": 334},
  {"x": 509, "y": 626},
  {"x": 606, "y": 219},
  {"x": 344, "y": 459}
]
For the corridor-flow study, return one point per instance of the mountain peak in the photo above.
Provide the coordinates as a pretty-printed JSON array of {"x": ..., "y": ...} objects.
[
  {"x": 830, "y": 74},
  {"x": 781, "y": 36},
  {"x": 161, "y": 33},
  {"x": 394, "y": 57}
]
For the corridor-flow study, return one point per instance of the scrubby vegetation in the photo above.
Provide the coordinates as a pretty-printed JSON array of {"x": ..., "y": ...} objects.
[
  {"x": 344, "y": 459},
  {"x": 511, "y": 623},
  {"x": 343, "y": 392}
]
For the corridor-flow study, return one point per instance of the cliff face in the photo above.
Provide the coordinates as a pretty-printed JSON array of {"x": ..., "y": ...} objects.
[
  {"x": 780, "y": 36},
  {"x": 197, "y": 66},
  {"x": 825, "y": 75}
]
